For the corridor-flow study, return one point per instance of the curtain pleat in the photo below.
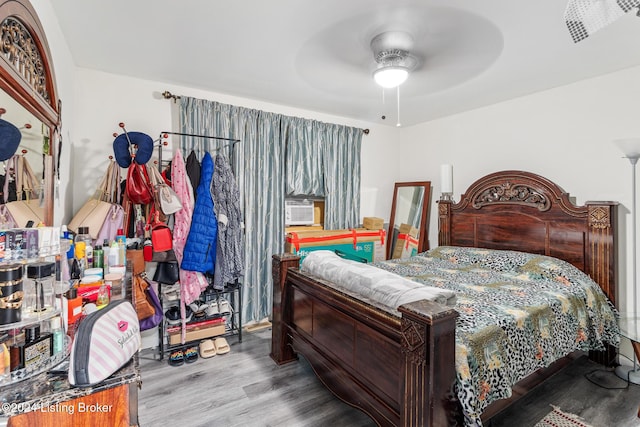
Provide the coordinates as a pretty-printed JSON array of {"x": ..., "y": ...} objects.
[
  {"x": 277, "y": 156},
  {"x": 304, "y": 157}
]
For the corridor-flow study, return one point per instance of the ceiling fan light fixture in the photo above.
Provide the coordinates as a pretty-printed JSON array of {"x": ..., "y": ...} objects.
[{"x": 390, "y": 76}]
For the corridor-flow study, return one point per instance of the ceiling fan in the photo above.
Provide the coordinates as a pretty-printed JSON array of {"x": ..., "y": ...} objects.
[{"x": 584, "y": 17}]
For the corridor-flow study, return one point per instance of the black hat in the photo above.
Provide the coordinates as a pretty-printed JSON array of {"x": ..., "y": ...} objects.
[
  {"x": 10, "y": 137},
  {"x": 143, "y": 148}
]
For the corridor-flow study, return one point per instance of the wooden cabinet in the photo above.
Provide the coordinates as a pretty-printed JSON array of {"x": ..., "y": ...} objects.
[{"x": 117, "y": 406}]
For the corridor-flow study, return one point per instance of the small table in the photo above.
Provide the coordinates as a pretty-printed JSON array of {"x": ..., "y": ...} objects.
[{"x": 629, "y": 324}]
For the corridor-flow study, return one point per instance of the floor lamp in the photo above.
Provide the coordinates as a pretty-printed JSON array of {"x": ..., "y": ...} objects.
[{"x": 631, "y": 149}]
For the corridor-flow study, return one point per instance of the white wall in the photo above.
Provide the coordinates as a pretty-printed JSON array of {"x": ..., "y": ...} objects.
[{"x": 564, "y": 134}]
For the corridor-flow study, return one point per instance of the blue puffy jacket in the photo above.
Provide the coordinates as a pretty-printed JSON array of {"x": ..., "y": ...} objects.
[{"x": 200, "y": 247}]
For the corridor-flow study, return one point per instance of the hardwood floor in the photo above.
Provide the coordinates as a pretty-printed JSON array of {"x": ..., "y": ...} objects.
[{"x": 246, "y": 388}]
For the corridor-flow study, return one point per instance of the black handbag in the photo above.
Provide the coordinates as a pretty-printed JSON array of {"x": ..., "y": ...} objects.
[{"x": 167, "y": 273}]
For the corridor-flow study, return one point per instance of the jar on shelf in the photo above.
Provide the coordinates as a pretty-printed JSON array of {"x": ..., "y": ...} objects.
[
  {"x": 11, "y": 293},
  {"x": 39, "y": 294}
]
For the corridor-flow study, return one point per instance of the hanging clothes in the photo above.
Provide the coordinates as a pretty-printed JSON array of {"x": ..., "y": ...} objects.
[
  {"x": 226, "y": 199},
  {"x": 200, "y": 247},
  {"x": 193, "y": 170},
  {"x": 192, "y": 283}
]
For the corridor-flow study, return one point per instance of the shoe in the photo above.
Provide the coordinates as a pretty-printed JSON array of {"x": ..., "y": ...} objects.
[
  {"x": 207, "y": 349},
  {"x": 173, "y": 315},
  {"x": 176, "y": 358},
  {"x": 199, "y": 308},
  {"x": 224, "y": 307},
  {"x": 213, "y": 309},
  {"x": 171, "y": 292},
  {"x": 191, "y": 354},
  {"x": 222, "y": 346}
]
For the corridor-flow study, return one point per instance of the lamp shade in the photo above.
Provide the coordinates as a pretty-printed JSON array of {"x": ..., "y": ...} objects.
[
  {"x": 446, "y": 179},
  {"x": 391, "y": 76},
  {"x": 629, "y": 146}
]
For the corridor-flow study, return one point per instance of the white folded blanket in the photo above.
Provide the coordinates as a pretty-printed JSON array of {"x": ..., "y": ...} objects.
[{"x": 378, "y": 287}]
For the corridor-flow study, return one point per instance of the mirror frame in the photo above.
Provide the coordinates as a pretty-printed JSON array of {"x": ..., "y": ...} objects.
[
  {"x": 31, "y": 82},
  {"x": 423, "y": 238}
]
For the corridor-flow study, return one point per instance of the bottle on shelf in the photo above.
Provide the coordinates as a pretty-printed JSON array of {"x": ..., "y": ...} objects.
[
  {"x": 58, "y": 335},
  {"x": 121, "y": 239},
  {"x": 114, "y": 255},
  {"x": 105, "y": 256},
  {"x": 103, "y": 297},
  {"x": 82, "y": 243}
]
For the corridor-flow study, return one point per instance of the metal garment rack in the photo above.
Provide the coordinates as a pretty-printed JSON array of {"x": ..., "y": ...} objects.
[{"x": 232, "y": 290}]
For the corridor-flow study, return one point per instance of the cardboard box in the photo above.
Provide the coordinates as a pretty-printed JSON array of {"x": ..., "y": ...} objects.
[
  {"x": 406, "y": 246},
  {"x": 358, "y": 244},
  {"x": 372, "y": 223},
  {"x": 318, "y": 212},
  {"x": 408, "y": 229},
  {"x": 197, "y": 331}
]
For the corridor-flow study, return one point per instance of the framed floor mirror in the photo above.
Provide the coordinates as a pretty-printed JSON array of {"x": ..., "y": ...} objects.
[{"x": 409, "y": 218}]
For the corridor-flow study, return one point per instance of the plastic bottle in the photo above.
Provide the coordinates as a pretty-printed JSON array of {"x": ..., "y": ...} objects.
[
  {"x": 103, "y": 297},
  {"x": 114, "y": 258},
  {"x": 82, "y": 242},
  {"x": 58, "y": 335},
  {"x": 88, "y": 251},
  {"x": 105, "y": 250},
  {"x": 98, "y": 257},
  {"x": 67, "y": 241},
  {"x": 121, "y": 239}
]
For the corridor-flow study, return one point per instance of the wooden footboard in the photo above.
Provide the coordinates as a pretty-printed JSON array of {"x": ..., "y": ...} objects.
[{"x": 400, "y": 371}]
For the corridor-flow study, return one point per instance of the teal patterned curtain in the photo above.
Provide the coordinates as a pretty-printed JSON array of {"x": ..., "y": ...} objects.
[
  {"x": 341, "y": 156},
  {"x": 277, "y": 155}
]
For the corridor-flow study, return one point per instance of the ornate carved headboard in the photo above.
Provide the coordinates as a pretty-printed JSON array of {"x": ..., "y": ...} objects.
[{"x": 522, "y": 211}]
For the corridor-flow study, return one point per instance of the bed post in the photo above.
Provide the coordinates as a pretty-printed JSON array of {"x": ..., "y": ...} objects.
[
  {"x": 444, "y": 222},
  {"x": 428, "y": 345},
  {"x": 601, "y": 257},
  {"x": 281, "y": 351},
  {"x": 601, "y": 246}
]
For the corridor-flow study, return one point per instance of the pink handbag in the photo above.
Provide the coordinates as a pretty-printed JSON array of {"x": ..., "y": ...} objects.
[{"x": 112, "y": 223}]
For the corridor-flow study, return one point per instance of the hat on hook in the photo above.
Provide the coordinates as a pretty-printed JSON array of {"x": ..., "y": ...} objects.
[
  {"x": 143, "y": 148},
  {"x": 10, "y": 137}
]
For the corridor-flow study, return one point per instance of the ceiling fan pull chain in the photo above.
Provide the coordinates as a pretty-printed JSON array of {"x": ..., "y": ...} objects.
[{"x": 398, "y": 122}]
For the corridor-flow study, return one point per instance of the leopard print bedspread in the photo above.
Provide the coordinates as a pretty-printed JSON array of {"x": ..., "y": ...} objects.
[{"x": 518, "y": 312}]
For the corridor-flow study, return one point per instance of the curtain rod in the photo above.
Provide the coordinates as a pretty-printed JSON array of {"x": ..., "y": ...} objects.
[
  {"x": 201, "y": 136},
  {"x": 168, "y": 95}
]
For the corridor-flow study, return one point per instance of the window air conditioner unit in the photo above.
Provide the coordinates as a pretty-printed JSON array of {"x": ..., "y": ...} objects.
[{"x": 298, "y": 212}]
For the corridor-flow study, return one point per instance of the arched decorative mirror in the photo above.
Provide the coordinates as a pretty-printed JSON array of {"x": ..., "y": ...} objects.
[
  {"x": 409, "y": 219},
  {"x": 28, "y": 95}
]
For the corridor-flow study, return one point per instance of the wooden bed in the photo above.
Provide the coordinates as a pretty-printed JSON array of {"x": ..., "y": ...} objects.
[{"x": 400, "y": 370}]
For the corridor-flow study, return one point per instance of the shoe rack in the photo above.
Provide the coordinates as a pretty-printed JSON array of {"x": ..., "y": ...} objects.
[{"x": 210, "y": 325}]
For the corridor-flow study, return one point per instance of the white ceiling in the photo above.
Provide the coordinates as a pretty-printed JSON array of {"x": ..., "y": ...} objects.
[{"x": 315, "y": 54}]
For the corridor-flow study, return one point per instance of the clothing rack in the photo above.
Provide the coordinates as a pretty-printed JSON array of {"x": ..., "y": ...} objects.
[{"x": 232, "y": 141}]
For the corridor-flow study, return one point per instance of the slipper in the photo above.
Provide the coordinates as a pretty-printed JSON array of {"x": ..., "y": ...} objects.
[
  {"x": 191, "y": 354},
  {"x": 222, "y": 346},
  {"x": 207, "y": 349},
  {"x": 176, "y": 358}
]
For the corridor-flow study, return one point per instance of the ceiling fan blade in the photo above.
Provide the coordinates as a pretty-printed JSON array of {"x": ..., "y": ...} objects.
[{"x": 585, "y": 17}]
